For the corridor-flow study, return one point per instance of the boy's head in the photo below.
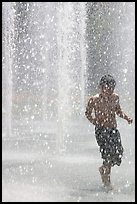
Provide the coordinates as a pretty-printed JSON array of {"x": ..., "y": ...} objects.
[{"x": 107, "y": 84}]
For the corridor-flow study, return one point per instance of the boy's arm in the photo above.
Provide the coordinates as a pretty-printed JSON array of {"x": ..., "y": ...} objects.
[
  {"x": 89, "y": 110},
  {"x": 120, "y": 112}
]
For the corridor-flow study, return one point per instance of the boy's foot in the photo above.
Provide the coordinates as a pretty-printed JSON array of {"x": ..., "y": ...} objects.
[{"x": 108, "y": 188}]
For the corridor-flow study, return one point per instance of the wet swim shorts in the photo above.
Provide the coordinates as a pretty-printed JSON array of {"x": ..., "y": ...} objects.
[{"x": 109, "y": 141}]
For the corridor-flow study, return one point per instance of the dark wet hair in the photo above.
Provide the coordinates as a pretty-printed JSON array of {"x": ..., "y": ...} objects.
[{"x": 108, "y": 80}]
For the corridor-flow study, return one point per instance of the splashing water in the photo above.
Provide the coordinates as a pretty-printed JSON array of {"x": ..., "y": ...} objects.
[{"x": 54, "y": 54}]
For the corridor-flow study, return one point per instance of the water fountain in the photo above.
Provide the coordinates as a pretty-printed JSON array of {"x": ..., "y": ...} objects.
[
  {"x": 7, "y": 60},
  {"x": 50, "y": 42},
  {"x": 71, "y": 66},
  {"x": 54, "y": 54},
  {"x": 59, "y": 52}
]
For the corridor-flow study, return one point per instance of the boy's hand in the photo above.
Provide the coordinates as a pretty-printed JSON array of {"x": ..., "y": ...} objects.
[
  {"x": 93, "y": 121},
  {"x": 129, "y": 120}
]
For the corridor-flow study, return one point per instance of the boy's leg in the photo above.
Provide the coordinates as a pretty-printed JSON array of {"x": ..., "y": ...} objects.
[
  {"x": 101, "y": 170},
  {"x": 105, "y": 174}
]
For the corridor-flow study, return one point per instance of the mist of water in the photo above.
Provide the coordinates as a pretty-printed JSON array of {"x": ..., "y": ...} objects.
[{"x": 53, "y": 57}]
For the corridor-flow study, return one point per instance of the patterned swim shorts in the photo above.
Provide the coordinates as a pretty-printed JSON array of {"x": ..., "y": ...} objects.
[{"x": 109, "y": 141}]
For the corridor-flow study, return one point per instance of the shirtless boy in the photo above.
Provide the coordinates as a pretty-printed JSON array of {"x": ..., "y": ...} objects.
[{"x": 101, "y": 111}]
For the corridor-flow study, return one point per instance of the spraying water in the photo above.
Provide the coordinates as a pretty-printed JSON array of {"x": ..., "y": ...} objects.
[
  {"x": 71, "y": 59},
  {"x": 49, "y": 61},
  {"x": 54, "y": 54},
  {"x": 7, "y": 51}
]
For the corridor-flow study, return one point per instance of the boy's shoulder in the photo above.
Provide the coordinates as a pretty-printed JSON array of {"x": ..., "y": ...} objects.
[
  {"x": 93, "y": 98},
  {"x": 115, "y": 95}
]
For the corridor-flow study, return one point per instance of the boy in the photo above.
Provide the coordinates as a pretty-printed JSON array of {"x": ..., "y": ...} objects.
[{"x": 105, "y": 106}]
